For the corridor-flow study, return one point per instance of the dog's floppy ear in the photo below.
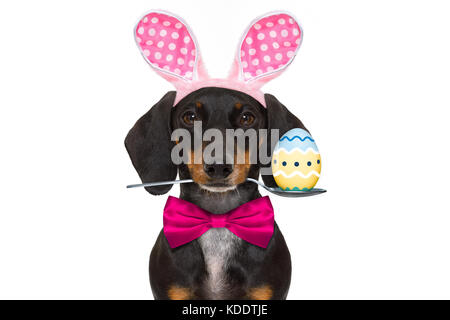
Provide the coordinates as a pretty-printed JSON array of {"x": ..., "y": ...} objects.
[
  {"x": 278, "y": 117},
  {"x": 149, "y": 145}
]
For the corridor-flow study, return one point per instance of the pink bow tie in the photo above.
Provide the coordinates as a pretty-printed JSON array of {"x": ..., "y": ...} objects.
[{"x": 184, "y": 222}]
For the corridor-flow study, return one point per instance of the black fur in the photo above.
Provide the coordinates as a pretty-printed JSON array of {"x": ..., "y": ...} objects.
[
  {"x": 149, "y": 146},
  {"x": 249, "y": 266},
  {"x": 278, "y": 117}
]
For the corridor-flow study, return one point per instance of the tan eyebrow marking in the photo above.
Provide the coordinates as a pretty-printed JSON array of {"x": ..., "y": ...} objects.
[
  {"x": 238, "y": 105},
  {"x": 199, "y": 104}
]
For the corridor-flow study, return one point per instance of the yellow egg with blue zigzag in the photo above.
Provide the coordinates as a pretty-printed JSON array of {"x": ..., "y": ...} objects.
[{"x": 296, "y": 161}]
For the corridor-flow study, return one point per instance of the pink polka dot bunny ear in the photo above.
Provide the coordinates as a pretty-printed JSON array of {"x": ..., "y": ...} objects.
[
  {"x": 168, "y": 45},
  {"x": 267, "y": 48}
]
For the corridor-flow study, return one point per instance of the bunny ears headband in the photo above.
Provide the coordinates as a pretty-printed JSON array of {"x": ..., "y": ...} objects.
[{"x": 268, "y": 46}]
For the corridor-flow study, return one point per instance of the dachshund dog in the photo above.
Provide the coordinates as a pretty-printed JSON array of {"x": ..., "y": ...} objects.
[{"x": 217, "y": 265}]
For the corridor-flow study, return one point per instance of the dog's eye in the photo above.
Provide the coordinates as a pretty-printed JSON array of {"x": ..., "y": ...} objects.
[
  {"x": 247, "y": 119},
  {"x": 189, "y": 118}
]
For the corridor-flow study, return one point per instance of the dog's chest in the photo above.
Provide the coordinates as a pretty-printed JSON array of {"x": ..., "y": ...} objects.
[{"x": 218, "y": 246}]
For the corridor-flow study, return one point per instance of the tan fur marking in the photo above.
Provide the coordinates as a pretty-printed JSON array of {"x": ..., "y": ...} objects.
[
  {"x": 179, "y": 293},
  {"x": 240, "y": 172},
  {"x": 199, "y": 104},
  {"x": 196, "y": 170},
  {"x": 260, "y": 293},
  {"x": 238, "y": 105},
  {"x": 238, "y": 176}
]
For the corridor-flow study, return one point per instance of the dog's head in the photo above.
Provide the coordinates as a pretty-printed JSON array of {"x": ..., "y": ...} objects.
[{"x": 150, "y": 146}]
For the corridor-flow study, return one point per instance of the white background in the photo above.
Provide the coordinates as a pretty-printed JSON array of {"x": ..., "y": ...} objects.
[{"x": 371, "y": 82}]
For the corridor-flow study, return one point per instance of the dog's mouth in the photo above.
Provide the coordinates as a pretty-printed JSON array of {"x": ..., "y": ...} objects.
[
  {"x": 218, "y": 178},
  {"x": 218, "y": 186}
]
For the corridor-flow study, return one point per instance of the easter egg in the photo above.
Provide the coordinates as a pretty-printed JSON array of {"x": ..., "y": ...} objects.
[{"x": 296, "y": 161}]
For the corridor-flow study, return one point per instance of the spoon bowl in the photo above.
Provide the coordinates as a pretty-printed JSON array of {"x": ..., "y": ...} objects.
[{"x": 289, "y": 194}]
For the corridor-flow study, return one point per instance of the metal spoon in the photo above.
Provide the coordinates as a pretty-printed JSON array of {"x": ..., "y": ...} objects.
[
  {"x": 278, "y": 191},
  {"x": 290, "y": 194},
  {"x": 161, "y": 183}
]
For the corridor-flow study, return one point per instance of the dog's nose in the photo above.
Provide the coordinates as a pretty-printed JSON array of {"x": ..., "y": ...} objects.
[{"x": 218, "y": 171}]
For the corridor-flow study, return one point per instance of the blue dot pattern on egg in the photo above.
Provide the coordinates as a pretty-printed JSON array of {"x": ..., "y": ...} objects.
[{"x": 300, "y": 162}]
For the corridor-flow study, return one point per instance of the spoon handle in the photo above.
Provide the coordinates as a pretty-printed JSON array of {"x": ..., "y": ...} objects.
[
  {"x": 161, "y": 183},
  {"x": 258, "y": 183}
]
